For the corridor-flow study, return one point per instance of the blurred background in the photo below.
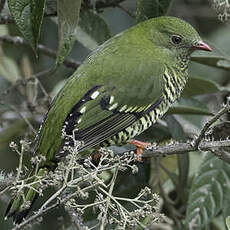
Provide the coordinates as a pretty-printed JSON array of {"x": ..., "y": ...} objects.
[{"x": 22, "y": 106}]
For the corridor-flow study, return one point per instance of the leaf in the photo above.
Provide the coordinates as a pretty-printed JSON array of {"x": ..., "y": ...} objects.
[
  {"x": 28, "y": 15},
  {"x": 92, "y": 30},
  {"x": 206, "y": 196},
  {"x": 189, "y": 106},
  {"x": 181, "y": 109},
  {"x": 8, "y": 68},
  {"x": 156, "y": 172},
  {"x": 37, "y": 13},
  {"x": 220, "y": 62},
  {"x": 147, "y": 9},
  {"x": 177, "y": 132},
  {"x": 197, "y": 86},
  {"x": 228, "y": 222},
  {"x": 68, "y": 15}
]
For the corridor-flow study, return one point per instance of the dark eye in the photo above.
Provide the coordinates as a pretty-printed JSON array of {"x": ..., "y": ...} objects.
[{"x": 176, "y": 39}]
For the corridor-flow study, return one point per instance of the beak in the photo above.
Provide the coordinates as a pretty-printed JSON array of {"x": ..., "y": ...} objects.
[{"x": 202, "y": 46}]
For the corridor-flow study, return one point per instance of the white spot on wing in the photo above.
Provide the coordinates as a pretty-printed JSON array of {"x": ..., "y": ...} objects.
[
  {"x": 83, "y": 109},
  {"x": 114, "y": 106},
  {"x": 123, "y": 108},
  {"x": 129, "y": 109},
  {"x": 133, "y": 109},
  {"x": 79, "y": 121},
  {"x": 111, "y": 99},
  {"x": 148, "y": 106},
  {"x": 95, "y": 94},
  {"x": 140, "y": 109}
]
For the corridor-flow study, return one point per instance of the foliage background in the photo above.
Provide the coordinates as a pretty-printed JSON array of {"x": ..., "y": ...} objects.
[{"x": 19, "y": 62}]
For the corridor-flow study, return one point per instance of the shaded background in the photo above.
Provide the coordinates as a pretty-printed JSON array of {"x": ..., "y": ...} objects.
[{"x": 21, "y": 62}]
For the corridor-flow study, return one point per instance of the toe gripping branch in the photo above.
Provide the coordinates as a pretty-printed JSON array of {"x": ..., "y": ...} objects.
[{"x": 140, "y": 147}]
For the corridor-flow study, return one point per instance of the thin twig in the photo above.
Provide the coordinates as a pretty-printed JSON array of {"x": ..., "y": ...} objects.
[
  {"x": 182, "y": 148},
  {"x": 16, "y": 40},
  {"x": 51, "y": 207},
  {"x": 224, "y": 110},
  {"x": 24, "y": 82},
  {"x": 53, "y": 197},
  {"x": 102, "y": 226},
  {"x": 21, "y": 115},
  {"x": 5, "y": 190}
]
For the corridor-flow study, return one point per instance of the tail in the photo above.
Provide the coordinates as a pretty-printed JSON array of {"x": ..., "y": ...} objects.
[{"x": 20, "y": 205}]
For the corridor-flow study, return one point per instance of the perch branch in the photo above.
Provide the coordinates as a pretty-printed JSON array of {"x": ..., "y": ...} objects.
[
  {"x": 16, "y": 40},
  {"x": 181, "y": 148},
  {"x": 224, "y": 110}
]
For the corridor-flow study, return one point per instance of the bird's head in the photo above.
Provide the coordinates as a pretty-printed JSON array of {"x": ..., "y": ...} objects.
[{"x": 176, "y": 37}]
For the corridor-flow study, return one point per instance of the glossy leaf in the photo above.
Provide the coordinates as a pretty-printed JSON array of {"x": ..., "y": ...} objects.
[
  {"x": 220, "y": 62},
  {"x": 28, "y": 16},
  {"x": 197, "y": 86},
  {"x": 92, "y": 30},
  {"x": 147, "y": 9},
  {"x": 68, "y": 15},
  {"x": 207, "y": 192}
]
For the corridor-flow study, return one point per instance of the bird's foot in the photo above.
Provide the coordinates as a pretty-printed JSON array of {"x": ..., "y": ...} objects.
[
  {"x": 140, "y": 145},
  {"x": 96, "y": 156}
]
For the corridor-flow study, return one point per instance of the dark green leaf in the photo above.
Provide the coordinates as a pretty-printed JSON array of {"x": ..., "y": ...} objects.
[
  {"x": 177, "y": 132},
  {"x": 156, "y": 132},
  {"x": 175, "y": 128},
  {"x": 226, "y": 207},
  {"x": 147, "y": 9},
  {"x": 92, "y": 30},
  {"x": 189, "y": 106},
  {"x": 207, "y": 192},
  {"x": 220, "y": 62},
  {"x": 37, "y": 13},
  {"x": 181, "y": 109},
  {"x": 68, "y": 15},
  {"x": 197, "y": 86},
  {"x": 28, "y": 16},
  {"x": 228, "y": 222}
]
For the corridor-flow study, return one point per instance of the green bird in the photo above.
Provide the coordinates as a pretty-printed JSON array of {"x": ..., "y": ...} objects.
[{"x": 119, "y": 91}]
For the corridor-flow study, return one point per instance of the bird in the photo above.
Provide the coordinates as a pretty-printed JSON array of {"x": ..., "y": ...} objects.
[{"x": 121, "y": 89}]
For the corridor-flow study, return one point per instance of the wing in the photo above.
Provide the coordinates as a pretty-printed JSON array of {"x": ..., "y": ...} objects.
[
  {"x": 109, "y": 91},
  {"x": 105, "y": 110}
]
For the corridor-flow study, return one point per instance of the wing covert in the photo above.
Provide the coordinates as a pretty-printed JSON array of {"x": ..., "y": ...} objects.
[{"x": 104, "y": 111}]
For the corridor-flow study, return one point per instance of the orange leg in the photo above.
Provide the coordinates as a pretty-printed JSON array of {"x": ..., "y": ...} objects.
[
  {"x": 140, "y": 146},
  {"x": 96, "y": 155}
]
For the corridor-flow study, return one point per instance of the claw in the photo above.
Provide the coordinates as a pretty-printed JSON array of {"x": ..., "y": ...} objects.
[
  {"x": 96, "y": 157},
  {"x": 140, "y": 147}
]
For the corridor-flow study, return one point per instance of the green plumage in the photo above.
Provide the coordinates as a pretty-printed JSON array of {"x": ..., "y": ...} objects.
[{"x": 119, "y": 91}]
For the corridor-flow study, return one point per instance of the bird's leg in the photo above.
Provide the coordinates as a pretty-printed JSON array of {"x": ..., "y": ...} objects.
[
  {"x": 140, "y": 145},
  {"x": 96, "y": 155}
]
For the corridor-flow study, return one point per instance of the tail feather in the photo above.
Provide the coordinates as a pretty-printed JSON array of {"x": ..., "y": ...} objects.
[{"x": 18, "y": 207}]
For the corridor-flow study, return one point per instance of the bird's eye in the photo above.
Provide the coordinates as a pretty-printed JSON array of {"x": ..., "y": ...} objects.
[{"x": 176, "y": 39}]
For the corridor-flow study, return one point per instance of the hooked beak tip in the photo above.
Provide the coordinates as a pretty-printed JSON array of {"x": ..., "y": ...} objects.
[{"x": 202, "y": 46}]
